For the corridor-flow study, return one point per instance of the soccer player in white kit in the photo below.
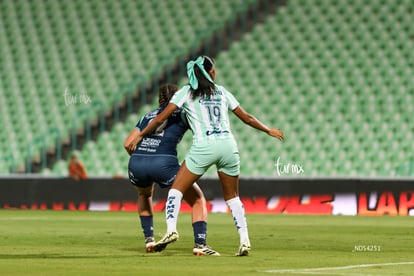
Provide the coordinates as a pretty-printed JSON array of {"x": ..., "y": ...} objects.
[{"x": 206, "y": 106}]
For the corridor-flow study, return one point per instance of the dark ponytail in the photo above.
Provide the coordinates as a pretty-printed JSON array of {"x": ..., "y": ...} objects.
[
  {"x": 165, "y": 93},
  {"x": 205, "y": 87}
]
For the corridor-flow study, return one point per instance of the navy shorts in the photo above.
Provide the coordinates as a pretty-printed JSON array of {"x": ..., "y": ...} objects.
[{"x": 143, "y": 170}]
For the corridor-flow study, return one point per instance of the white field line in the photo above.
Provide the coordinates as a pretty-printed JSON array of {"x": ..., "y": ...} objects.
[
  {"x": 316, "y": 269},
  {"x": 334, "y": 273}
]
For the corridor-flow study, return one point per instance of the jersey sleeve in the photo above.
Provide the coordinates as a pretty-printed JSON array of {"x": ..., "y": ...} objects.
[
  {"x": 180, "y": 97},
  {"x": 231, "y": 100},
  {"x": 141, "y": 124}
]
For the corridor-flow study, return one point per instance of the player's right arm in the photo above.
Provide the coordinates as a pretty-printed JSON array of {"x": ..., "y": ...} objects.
[
  {"x": 131, "y": 137},
  {"x": 134, "y": 133},
  {"x": 156, "y": 122}
]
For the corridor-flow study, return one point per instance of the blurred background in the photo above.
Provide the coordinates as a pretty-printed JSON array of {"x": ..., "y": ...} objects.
[{"x": 337, "y": 76}]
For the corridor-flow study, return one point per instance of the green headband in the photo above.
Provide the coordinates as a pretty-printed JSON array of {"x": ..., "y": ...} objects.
[{"x": 191, "y": 74}]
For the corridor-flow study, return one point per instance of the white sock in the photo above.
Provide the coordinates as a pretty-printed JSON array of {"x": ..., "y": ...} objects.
[
  {"x": 237, "y": 210},
  {"x": 172, "y": 209}
]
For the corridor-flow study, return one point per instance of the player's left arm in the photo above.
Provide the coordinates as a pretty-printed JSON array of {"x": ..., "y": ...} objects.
[
  {"x": 252, "y": 121},
  {"x": 249, "y": 119}
]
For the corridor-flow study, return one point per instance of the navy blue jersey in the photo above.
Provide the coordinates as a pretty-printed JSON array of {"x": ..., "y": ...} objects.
[{"x": 164, "y": 140}]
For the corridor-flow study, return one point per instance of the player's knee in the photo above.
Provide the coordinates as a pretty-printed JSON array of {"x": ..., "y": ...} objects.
[
  {"x": 195, "y": 199},
  {"x": 147, "y": 191},
  {"x": 200, "y": 201}
]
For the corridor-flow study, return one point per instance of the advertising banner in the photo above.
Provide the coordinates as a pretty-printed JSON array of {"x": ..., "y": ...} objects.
[{"x": 300, "y": 196}]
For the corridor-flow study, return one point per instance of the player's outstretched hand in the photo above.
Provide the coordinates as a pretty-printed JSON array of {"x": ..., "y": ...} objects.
[{"x": 277, "y": 133}]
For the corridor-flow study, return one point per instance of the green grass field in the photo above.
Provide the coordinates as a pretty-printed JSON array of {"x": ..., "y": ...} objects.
[{"x": 111, "y": 243}]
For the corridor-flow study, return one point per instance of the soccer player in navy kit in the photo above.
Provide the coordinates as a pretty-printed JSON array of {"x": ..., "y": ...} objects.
[{"x": 155, "y": 160}]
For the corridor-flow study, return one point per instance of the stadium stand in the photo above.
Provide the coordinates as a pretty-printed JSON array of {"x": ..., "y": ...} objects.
[
  {"x": 335, "y": 76},
  {"x": 64, "y": 61}
]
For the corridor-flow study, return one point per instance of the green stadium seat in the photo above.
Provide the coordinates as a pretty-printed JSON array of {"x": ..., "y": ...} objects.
[{"x": 329, "y": 73}]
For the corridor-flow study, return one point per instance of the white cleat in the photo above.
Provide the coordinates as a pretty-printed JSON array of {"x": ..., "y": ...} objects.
[
  {"x": 244, "y": 249},
  {"x": 149, "y": 244},
  {"x": 167, "y": 239},
  {"x": 203, "y": 250}
]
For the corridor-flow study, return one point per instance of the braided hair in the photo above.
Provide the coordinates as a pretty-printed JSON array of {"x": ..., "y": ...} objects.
[{"x": 165, "y": 93}]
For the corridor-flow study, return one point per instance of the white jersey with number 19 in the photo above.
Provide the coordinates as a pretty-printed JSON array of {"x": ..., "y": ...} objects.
[{"x": 207, "y": 116}]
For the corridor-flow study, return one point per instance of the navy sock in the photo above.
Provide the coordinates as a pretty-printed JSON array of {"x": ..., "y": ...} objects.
[
  {"x": 147, "y": 226},
  {"x": 200, "y": 232}
]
